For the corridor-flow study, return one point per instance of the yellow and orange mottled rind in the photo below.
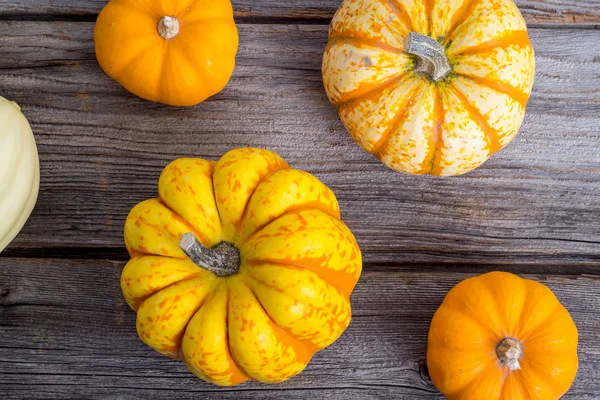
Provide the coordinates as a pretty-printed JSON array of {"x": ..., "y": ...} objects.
[
  {"x": 146, "y": 275},
  {"x": 476, "y": 315},
  {"x": 291, "y": 297},
  {"x": 282, "y": 192},
  {"x": 387, "y": 108},
  {"x": 236, "y": 176},
  {"x": 205, "y": 345},
  {"x": 185, "y": 186}
]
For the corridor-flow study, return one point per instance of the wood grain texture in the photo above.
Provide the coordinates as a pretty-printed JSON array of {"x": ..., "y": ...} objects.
[
  {"x": 534, "y": 11},
  {"x": 66, "y": 331},
  {"x": 534, "y": 204}
]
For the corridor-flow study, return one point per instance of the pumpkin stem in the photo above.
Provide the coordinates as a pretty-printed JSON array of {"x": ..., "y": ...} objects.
[
  {"x": 510, "y": 351},
  {"x": 221, "y": 260},
  {"x": 168, "y": 27},
  {"x": 431, "y": 57}
]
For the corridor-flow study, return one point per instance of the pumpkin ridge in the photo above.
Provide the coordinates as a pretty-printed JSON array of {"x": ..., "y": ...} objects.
[
  {"x": 460, "y": 17},
  {"x": 494, "y": 330},
  {"x": 504, "y": 88},
  {"x": 143, "y": 250},
  {"x": 527, "y": 389},
  {"x": 152, "y": 46},
  {"x": 125, "y": 8},
  {"x": 343, "y": 285},
  {"x": 228, "y": 343},
  {"x": 161, "y": 82},
  {"x": 182, "y": 49},
  {"x": 477, "y": 377},
  {"x": 464, "y": 313},
  {"x": 401, "y": 13},
  {"x": 270, "y": 172},
  {"x": 429, "y": 6},
  {"x": 180, "y": 339},
  {"x": 397, "y": 122},
  {"x": 308, "y": 341},
  {"x": 140, "y": 300},
  {"x": 518, "y": 285},
  {"x": 178, "y": 217},
  {"x": 503, "y": 386},
  {"x": 518, "y": 379},
  {"x": 542, "y": 373},
  {"x": 185, "y": 49},
  {"x": 294, "y": 210},
  {"x": 533, "y": 335},
  {"x": 178, "y": 345},
  {"x": 364, "y": 42},
  {"x": 362, "y": 95},
  {"x": 513, "y": 38},
  {"x": 271, "y": 169},
  {"x": 310, "y": 347},
  {"x": 517, "y": 38},
  {"x": 490, "y": 133},
  {"x": 435, "y": 158}
]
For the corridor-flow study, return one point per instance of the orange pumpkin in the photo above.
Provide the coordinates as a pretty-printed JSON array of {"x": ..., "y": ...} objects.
[
  {"x": 241, "y": 268},
  {"x": 433, "y": 86},
  {"x": 498, "y": 336},
  {"x": 173, "y": 52}
]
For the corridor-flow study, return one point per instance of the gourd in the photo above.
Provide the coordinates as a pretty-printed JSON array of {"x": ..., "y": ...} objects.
[
  {"x": 429, "y": 87},
  {"x": 241, "y": 268},
  {"x": 174, "y": 52},
  {"x": 19, "y": 171},
  {"x": 498, "y": 336}
]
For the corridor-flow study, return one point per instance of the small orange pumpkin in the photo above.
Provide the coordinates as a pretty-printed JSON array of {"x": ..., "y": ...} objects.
[
  {"x": 173, "y": 52},
  {"x": 429, "y": 87},
  {"x": 498, "y": 336}
]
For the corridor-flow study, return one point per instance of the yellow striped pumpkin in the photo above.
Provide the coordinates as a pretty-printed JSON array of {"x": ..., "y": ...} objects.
[
  {"x": 241, "y": 268},
  {"x": 430, "y": 86}
]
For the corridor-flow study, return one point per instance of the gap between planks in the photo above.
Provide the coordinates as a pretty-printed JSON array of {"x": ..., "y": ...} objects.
[{"x": 534, "y": 205}]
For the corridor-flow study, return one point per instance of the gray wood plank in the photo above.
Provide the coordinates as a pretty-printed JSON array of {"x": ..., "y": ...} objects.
[
  {"x": 536, "y": 203},
  {"x": 535, "y": 11},
  {"x": 66, "y": 332}
]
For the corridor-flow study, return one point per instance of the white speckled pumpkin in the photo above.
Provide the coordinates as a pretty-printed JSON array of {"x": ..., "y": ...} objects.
[
  {"x": 19, "y": 171},
  {"x": 430, "y": 86}
]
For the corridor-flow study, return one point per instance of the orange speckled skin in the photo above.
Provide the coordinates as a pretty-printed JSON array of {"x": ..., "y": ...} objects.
[
  {"x": 476, "y": 315},
  {"x": 182, "y": 71},
  {"x": 415, "y": 125},
  {"x": 291, "y": 297}
]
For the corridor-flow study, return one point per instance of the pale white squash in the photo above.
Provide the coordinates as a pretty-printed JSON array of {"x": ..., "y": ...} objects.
[{"x": 19, "y": 171}]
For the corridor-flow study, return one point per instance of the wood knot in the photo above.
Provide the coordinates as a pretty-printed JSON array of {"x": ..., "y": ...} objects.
[
  {"x": 4, "y": 293},
  {"x": 424, "y": 371}
]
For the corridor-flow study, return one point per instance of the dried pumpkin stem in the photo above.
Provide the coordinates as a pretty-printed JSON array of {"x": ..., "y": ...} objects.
[
  {"x": 510, "y": 351},
  {"x": 431, "y": 57},
  {"x": 168, "y": 27},
  {"x": 221, "y": 260}
]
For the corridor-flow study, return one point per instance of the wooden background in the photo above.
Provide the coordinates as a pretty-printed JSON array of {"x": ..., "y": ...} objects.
[{"x": 533, "y": 209}]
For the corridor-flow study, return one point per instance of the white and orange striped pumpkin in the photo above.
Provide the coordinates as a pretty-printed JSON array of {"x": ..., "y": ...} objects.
[{"x": 430, "y": 86}]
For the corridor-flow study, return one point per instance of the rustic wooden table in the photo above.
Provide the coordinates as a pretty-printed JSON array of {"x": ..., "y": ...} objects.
[{"x": 533, "y": 209}]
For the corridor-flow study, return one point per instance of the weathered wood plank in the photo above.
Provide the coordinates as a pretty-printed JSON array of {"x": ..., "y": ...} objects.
[
  {"x": 534, "y": 11},
  {"x": 536, "y": 203},
  {"x": 66, "y": 331}
]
